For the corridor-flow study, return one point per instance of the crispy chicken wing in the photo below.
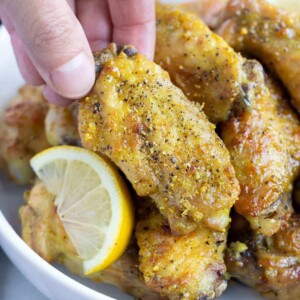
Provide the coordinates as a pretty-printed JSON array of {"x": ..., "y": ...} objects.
[
  {"x": 162, "y": 142},
  {"x": 31, "y": 125},
  {"x": 265, "y": 163},
  {"x": 187, "y": 267},
  {"x": 181, "y": 267},
  {"x": 269, "y": 34},
  {"x": 22, "y": 133},
  {"x": 264, "y": 144},
  {"x": 43, "y": 231},
  {"x": 269, "y": 264},
  {"x": 61, "y": 125},
  {"x": 200, "y": 62}
]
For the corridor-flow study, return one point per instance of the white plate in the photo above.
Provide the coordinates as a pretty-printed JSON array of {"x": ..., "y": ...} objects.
[{"x": 55, "y": 282}]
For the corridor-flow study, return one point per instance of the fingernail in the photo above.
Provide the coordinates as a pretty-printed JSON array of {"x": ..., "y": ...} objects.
[{"x": 75, "y": 78}]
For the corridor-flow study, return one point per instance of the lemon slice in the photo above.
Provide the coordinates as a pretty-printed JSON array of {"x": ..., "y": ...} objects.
[{"x": 92, "y": 202}]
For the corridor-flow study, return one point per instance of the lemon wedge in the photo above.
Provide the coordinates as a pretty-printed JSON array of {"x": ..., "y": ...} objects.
[{"x": 92, "y": 202}]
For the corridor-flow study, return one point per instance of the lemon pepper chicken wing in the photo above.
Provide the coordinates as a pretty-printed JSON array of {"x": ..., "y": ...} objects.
[
  {"x": 264, "y": 144},
  {"x": 271, "y": 265},
  {"x": 31, "y": 125},
  {"x": 269, "y": 34},
  {"x": 43, "y": 231},
  {"x": 201, "y": 63},
  {"x": 22, "y": 133},
  {"x": 170, "y": 273},
  {"x": 162, "y": 142},
  {"x": 181, "y": 267}
]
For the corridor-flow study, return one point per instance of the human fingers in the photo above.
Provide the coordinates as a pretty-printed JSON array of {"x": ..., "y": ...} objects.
[
  {"x": 56, "y": 44},
  {"x": 134, "y": 23},
  {"x": 55, "y": 98},
  {"x": 27, "y": 69},
  {"x": 94, "y": 17}
]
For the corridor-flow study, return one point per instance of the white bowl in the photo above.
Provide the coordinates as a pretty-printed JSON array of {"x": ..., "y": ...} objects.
[{"x": 55, "y": 282}]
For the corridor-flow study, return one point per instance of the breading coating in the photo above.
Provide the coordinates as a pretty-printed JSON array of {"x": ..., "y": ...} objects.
[
  {"x": 187, "y": 267},
  {"x": 272, "y": 35},
  {"x": 162, "y": 142}
]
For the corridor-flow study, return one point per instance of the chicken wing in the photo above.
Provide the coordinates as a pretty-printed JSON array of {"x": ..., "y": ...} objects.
[
  {"x": 264, "y": 144},
  {"x": 162, "y": 142},
  {"x": 200, "y": 62},
  {"x": 181, "y": 267},
  {"x": 43, "y": 231},
  {"x": 269, "y": 34},
  {"x": 269, "y": 264},
  {"x": 61, "y": 125},
  {"x": 22, "y": 133}
]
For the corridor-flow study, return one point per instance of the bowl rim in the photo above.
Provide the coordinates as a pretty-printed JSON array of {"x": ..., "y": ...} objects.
[{"x": 13, "y": 240}]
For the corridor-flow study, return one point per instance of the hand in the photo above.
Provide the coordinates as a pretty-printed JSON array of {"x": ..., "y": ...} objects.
[{"x": 53, "y": 40}]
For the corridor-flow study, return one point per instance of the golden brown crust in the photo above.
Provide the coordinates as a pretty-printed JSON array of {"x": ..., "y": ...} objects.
[
  {"x": 181, "y": 267},
  {"x": 22, "y": 132},
  {"x": 264, "y": 143},
  {"x": 269, "y": 34},
  {"x": 162, "y": 142},
  {"x": 199, "y": 62},
  {"x": 269, "y": 264},
  {"x": 43, "y": 231},
  {"x": 61, "y": 125}
]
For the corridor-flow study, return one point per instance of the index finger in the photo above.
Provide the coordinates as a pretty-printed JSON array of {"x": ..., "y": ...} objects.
[{"x": 134, "y": 24}]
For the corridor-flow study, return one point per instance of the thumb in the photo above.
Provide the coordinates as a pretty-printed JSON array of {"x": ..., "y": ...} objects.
[{"x": 56, "y": 44}]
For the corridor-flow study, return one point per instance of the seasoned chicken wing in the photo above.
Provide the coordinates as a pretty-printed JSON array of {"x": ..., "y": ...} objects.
[
  {"x": 269, "y": 264},
  {"x": 31, "y": 125},
  {"x": 269, "y": 34},
  {"x": 22, "y": 133},
  {"x": 200, "y": 62},
  {"x": 162, "y": 142},
  {"x": 61, "y": 125},
  {"x": 181, "y": 267},
  {"x": 264, "y": 144},
  {"x": 43, "y": 231}
]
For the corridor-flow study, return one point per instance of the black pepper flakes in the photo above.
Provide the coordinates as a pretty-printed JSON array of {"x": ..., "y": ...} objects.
[
  {"x": 219, "y": 243},
  {"x": 96, "y": 107}
]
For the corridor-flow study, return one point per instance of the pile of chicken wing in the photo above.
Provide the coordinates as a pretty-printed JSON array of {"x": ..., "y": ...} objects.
[{"x": 207, "y": 135}]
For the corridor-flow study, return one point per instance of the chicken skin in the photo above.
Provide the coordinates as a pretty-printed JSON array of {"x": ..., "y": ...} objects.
[
  {"x": 271, "y": 265},
  {"x": 264, "y": 144},
  {"x": 22, "y": 133},
  {"x": 200, "y": 62},
  {"x": 181, "y": 267},
  {"x": 187, "y": 267},
  {"x": 30, "y": 125},
  {"x": 61, "y": 125},
  {"x": 43, "y": 231},
  {"x": 163, "y": 143},
  {"x": 269, "y": 34}
]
